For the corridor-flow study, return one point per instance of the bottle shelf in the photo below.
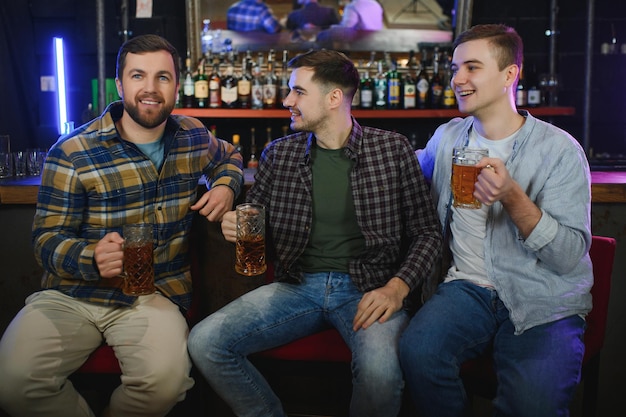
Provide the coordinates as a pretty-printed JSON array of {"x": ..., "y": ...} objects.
[{"x": 358, "y": 113}]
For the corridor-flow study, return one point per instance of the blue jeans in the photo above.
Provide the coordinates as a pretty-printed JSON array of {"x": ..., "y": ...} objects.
[
  {"x": 537, "y": 371},
  {"x": 279, "y": 313}
]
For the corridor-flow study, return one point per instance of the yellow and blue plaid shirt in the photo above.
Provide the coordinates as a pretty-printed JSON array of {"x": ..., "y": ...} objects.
[{"x": 93, "y": 183}]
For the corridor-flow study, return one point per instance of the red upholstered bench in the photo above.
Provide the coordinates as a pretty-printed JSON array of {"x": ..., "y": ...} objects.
[
  {"x": 478, "y": 375},
  {"x": 101, "y": 361},
  {"x": 325, "y": 346}
]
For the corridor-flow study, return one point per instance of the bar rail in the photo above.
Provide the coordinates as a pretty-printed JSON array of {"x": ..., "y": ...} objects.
[{"x": 606, "y": 187}]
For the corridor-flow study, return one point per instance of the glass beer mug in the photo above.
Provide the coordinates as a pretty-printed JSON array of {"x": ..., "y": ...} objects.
[{"x": 250, "y": 241}]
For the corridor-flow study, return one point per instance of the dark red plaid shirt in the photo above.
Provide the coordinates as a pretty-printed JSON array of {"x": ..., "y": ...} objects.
[{"x": 392, "y": 200}]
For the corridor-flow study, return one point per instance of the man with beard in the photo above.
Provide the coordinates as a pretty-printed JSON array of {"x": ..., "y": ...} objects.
[
  {"x": 354, "y": 232},
  {"x": 136, "y": 163}
]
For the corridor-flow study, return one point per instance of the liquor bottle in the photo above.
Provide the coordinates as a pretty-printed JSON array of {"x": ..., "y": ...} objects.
[
  {"x": 436, "y": 85},
  {"x": 409, "y": 84},
  {"x": 228, "y": 90},
  {"x": 372, "y": 62},
  {"x": 215, "y": 100},
  {"x": 244, "y": 85},
  {"x": 449, "y": 98},
  {"x": 394, "y": 86},
  {"x": 206, "y": 37},
  {"x": 257, "y": 84},
  {"x": 237, "y": 144},
  {"x": 268, "y": 136},
  {"x": 283, "y": 87},
  {"x": 201, "y": 87},
  {"x": 253, "y": 162},
  {"x": 270, "y": 84},
  {"x": 413, "y": 141},
  {"x": 534, "y": 93},
  {"x": 521, "y": 93},
  {"x": 380, "y": 88},
  {"x": 188, "y": 99},
  {"x": 367, "y": 90},
  {"x": 423, "y": 87},
  {"x": 356, "y": 98}
]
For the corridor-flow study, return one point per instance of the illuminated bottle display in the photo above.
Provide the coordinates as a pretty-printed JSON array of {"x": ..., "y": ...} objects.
[{"x": 420, "y": 82}]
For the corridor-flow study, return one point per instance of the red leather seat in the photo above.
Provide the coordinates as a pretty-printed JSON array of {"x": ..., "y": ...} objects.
[
  {"x": 478, "y": 375},
  {"x": 101, "y": 361},
  {"x": 325, "y": 346}
]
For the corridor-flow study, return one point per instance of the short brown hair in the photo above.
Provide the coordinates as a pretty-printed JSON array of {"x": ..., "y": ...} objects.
[
  {"x": 330, "y": 68},
  {"x": 507, "y": 45},
  {"x": 142, "y": 44}
]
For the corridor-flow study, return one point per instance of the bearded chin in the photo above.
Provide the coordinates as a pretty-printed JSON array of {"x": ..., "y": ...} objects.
[{"x": 148, "y": 121}]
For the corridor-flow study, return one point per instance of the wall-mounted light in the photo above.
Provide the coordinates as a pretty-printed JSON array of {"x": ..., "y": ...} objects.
[{"x": 59, "y": 67}]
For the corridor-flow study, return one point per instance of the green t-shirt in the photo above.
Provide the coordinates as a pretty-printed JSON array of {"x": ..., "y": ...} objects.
[
  {"x": 154, "y": 151},
  {"x": 335, "y": 235}
]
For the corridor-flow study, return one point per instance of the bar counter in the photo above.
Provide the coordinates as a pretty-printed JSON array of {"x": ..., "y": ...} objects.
[
  {"x": 606, "y": 187},
  {"x": 342, "y": 39},
  {"x": 212, "y": 257}
]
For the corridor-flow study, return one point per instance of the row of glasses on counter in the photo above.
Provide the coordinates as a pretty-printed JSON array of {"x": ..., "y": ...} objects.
[{"x": 19, "y": 163}]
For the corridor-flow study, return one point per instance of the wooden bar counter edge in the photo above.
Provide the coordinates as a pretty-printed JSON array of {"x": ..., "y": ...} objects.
[{"x": 606, "y": 187}]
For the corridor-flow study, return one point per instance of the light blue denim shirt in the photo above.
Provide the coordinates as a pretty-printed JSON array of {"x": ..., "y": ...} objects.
[{"x": 547, "y": 276}]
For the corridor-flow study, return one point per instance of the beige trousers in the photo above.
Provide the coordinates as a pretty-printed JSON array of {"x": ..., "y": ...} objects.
[{"x": 53, "y": 335}]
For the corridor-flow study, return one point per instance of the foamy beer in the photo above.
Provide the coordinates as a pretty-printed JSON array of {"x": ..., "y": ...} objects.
[
  {"x": 138, "y": 259},
  {"x": 465, "y": 175},
  {"x": 250, "y": 242}
]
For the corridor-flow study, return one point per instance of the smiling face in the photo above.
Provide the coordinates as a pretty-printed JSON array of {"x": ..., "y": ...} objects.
[
  {"x": 148, "y": 87},
  {"x": 307, "y": 101},
  {"x": 479, "y": 84}
]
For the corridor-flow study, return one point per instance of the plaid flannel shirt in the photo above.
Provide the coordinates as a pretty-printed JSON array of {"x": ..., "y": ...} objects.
[
  {"x": 392, "y": 200},
  {"x": 249, "y": 15},
  {"x": 93, "y": 183}
]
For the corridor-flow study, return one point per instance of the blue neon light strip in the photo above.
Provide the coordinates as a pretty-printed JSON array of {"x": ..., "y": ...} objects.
[{"x": 59, "y": 61}]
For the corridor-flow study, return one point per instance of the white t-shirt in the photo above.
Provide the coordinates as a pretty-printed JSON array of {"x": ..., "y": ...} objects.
[{"x": 468, "y": 225}]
